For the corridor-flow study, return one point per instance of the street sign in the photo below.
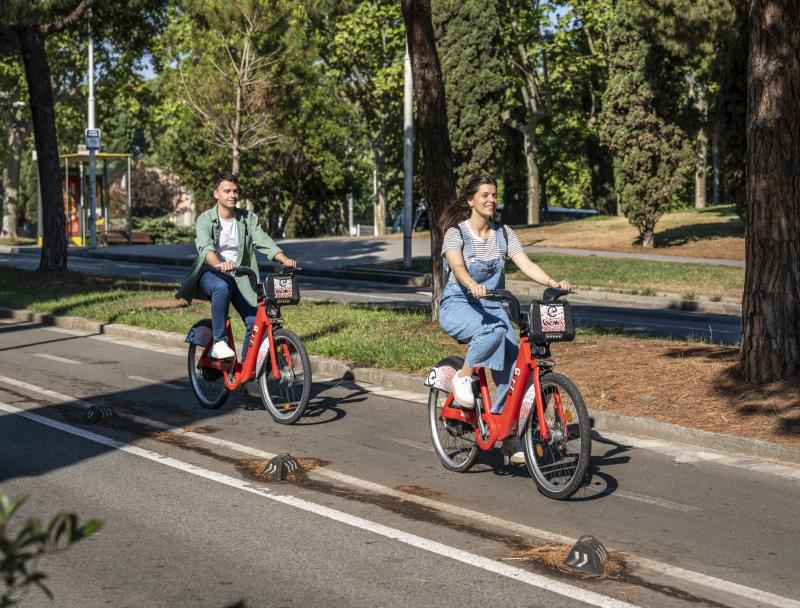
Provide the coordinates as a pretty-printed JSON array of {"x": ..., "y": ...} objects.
[{"x": 93, "y": 139}]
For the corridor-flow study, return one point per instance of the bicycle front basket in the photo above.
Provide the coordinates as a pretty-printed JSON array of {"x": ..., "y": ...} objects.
[
  {"x": 551, "y": 321},
  {"x": 282, "y": 289}
]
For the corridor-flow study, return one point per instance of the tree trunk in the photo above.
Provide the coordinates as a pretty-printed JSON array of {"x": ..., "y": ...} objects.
[
  {"x": 701, "y": 153},
  {"x": 380, "y": 184},
  {"x": 648, "y": 237},
  {"x": 11, "y": 186},
  {"x": 432, "y": 128},
  {"x": 533, "y": 178},
  {"x": 37, "y": 74},
  {"x": 771, "y": 305}
]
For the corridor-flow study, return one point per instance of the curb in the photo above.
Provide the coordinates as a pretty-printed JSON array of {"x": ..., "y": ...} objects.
[
  {"x": 603, "y": 420},
  {"x": 413, "y": 279}
]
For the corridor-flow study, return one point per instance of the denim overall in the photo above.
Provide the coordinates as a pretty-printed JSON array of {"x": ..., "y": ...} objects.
[{"x": 481, "y": 322}]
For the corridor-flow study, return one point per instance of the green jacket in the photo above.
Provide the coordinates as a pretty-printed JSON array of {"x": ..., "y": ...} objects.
[{"x": 251, "y": 239}]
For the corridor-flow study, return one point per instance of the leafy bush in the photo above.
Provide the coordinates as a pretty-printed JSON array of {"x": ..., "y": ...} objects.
[
  {"x": 163, "y": 231},
  {"x": 20, "y": 552}
]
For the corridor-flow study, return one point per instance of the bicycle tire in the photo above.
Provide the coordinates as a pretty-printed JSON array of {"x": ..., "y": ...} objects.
[
  {"x": 286, "y": 398},
  {"x": 207, "y": 385},
  {"x": 558, "y": 466},
  {"x": 450, "y": 440}
]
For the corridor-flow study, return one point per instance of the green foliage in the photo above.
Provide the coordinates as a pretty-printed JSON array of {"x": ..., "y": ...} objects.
[
  {"x": 162, "y": 230},
  {"x": 472, "y": 69},
  {"x": 639, "y": 125},
  {"x": 21, "y": 549}
]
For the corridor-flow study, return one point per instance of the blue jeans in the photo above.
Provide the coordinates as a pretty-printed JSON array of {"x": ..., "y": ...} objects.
[
  {"x": 221, "y": 289},
  {"x": 492, "y": 341}
]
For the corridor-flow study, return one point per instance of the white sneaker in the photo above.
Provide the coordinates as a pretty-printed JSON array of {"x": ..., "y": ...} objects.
[
  {"x": 221, "y": 350},
  {"x": 462, "y": 390},
  {"x": 514, "y": 450}
]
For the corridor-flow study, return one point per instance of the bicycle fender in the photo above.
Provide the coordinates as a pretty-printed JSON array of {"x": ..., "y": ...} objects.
[
  {"x": 200, "y": 333},
  {"x": 263, "y": 355},
  {"x": 442, "y": 373},
  {"x": 526, "y": 409}
]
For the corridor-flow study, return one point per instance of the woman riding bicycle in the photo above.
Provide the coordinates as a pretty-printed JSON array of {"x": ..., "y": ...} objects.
[{"x": 474, "y": 252}]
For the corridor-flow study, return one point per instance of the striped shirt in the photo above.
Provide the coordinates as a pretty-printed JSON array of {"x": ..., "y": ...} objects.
[{"x": 485, "y": 250}]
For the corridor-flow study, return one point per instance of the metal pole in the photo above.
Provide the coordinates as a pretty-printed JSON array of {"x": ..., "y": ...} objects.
[
  {"x": 408, "y": 160},
  {"x": 130, "y": 211},
  {"x": 83, "y": 205},
  {"x": 92, "y": 175},
  {"x": 350, "y": 230}
]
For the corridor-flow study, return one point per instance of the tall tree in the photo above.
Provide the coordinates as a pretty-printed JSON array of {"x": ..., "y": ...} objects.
[
  {"x": 472, "y": 69},
  {"x": 694, "y": 31},
  {"x": 15, "y": 127},
  {"x": 32, "y": 24},
  {"x": 771, "y": 305},
  {"x": 522, "y": 24},
  {"x": 229, "y": 85},
  {"x": 367, "y": 53},
  {"x": 647, "y": 146},
  {"x": 432, "y": 128}
]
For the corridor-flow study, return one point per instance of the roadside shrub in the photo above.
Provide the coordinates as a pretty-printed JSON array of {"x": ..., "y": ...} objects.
[{"x": 163, "y": 231}]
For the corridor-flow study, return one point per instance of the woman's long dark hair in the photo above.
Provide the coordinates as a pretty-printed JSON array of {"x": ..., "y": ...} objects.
[{"x": 458, "y": 210}]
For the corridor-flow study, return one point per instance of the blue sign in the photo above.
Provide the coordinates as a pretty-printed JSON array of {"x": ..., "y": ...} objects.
[{"x": 93, "y": 139}]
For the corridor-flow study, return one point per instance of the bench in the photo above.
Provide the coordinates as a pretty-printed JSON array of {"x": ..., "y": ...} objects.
[{"x": 120, "y": 237}]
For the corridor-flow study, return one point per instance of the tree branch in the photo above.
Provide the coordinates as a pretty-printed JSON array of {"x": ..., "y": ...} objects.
[{"x": 65, "y": 22}]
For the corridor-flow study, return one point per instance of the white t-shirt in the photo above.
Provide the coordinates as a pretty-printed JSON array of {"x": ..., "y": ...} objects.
[{"x": 227, "y": 244}]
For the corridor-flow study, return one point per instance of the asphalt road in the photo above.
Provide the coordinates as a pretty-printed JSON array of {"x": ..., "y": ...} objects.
[
  {"x": 720, "y": 329},
  {"x": 186, "y": 525}
]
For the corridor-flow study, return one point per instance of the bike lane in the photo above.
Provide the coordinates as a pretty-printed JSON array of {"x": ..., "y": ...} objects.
[{"x": 690, "y": 515}]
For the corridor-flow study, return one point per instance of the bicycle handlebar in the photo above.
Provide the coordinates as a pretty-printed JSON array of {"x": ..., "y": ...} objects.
[{"x": 551, "y": 293}]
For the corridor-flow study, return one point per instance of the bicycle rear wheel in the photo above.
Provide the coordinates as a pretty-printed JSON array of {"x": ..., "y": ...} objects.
[
  {"x": 559, "y": 465},
  {"x": 287, "y": 397},
  {"x": 208, "y": 385},
  {"x": 453, "y": 442}
]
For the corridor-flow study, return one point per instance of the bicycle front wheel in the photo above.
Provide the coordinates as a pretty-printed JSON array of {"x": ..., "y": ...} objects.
[
  {"x": 286, "y": 397},
  {"x": 559, "y": 465},
  {"x": 208, "y": 385}
]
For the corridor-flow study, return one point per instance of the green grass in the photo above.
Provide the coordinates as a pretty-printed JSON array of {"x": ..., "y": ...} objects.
[
  {"x": 364, "y": 336},
  {"x": 644, "y": 277},
  {"x": 361, "y": 335}
]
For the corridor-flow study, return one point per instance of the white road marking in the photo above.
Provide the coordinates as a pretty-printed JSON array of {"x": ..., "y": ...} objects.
[
  {"x": 465, "y": 557},
  {"x": 652, "y": 500},
  {"x": 175, "y": 387},
  {"x": 361, "y": 295},
  {"x": 682, "y": 453},
  {"x": 56, "y": 359},
  {"x": 698, "y": 578}
]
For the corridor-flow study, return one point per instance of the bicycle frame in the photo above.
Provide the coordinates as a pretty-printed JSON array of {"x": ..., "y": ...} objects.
[
  {"x": 236, "y": 373},
  {"x": 491, "y": 428}
]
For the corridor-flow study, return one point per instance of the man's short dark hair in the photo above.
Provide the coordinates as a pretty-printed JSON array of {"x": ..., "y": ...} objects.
[{"x": 225, "y": 177}]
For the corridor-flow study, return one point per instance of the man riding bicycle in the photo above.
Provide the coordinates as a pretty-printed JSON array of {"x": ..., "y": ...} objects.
[{"x": 226, "y": 238}]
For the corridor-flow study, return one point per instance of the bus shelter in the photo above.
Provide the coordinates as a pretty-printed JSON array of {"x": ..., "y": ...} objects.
[{"x": 112, "y": 196}]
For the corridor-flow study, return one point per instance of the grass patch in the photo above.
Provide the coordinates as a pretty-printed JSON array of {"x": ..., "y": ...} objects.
[
  {"x": 644, "y": 277},
  {"x": 364, "y": 336},
  {"x": 714, "y": 232},
  {"x": 616, "y": 370}
]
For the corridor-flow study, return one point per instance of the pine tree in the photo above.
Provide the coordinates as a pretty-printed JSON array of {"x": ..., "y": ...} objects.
[
  {"x": 471, "y": 68},
  {"x": 647, "y": 146}
]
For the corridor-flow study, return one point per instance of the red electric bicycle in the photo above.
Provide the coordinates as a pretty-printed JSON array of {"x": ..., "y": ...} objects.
[
  {"x": 543, "y": 408},
  {"x": 276, "y": 357}
]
